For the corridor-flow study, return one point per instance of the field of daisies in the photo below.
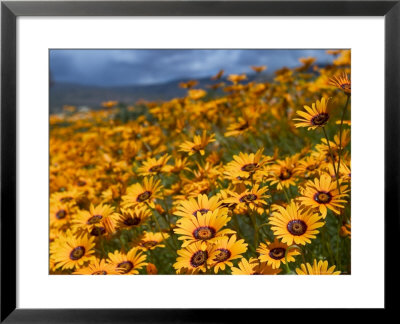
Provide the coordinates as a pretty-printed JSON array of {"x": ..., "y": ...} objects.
[{"x": 239, "y": 177}]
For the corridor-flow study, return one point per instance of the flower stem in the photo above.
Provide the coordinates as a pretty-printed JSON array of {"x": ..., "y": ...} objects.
[
  {"x": 340, "y": 132},
  {"x": 167, "y": 220},
  {"x": 255, "y": 233},
  {"x": 286, "y": 194},
  {"x": 333, "y": 160},
  {"x": 286, "y": 253},
  {"x": 162, "y": 233},
  {"x": 237, "y": 226},
  {"x": 327, "y": 246},
  {"x": 337, "y": 242},
  {"x": 254, "y": 221}
]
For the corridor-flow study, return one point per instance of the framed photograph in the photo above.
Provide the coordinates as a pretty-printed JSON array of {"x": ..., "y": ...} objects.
[{"x": 181, "y": 147}]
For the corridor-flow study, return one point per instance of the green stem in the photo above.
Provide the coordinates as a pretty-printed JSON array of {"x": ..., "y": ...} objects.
[
  {"x": 252, "y": 139},
  {"x": 338, "y": 261},
  {"x": 162, "y": 234},
  {"x": 337, "y": 242},
  {"x": 167, "y": 220},
  {"x": 286, "y": 194},
  {"x": 302, "y": 256},
  {"x": 332, "y": 158},
  {"x": 237, "y": 227},
  {"x": 254, "y": 222},
  {"x": 340, "y": 134},
  {"x": 262, "y": 225},
  {"x": 286, "y": 253},
  {"x": 327, "y": 246}
]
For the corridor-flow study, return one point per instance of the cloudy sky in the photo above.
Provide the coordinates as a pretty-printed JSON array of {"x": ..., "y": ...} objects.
[{"x": 139, "y": 67}]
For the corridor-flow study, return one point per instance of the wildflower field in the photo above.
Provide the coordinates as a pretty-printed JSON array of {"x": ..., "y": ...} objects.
[{"x": 237, "y": 177}]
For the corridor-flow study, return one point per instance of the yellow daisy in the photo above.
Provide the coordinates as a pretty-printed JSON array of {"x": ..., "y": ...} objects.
[
  {"x": 323, "y": 194},
  {"x": 97, "y": 267},
  {"x": 314, "y": 117},
  {"x": 253, "y": 198},
  {"x": 344, "y": 172},
  {"x": 320, "y": 268},
  {"x": 258, "y": 69},
  {"x": 225, "y": 250},
  {"x": 203, "y": 227},
  {"x": 274, "y": 253},
  {"x": 323, "y": 151},
  {"x": 203, "y": 204},
  {"x": 283, "y": 173},
  {"x": 235, "y": 78},
  {"x": 196, "y": 94},
  {"x": 193, "y": 258},
  {"x": 69, "y": 252},
  {"x": 153, "y": 166},
  {"x": 254, "y": 267},
  {"x": 345, "y": 230},
  {"x": 69, "y": 197},
  {"x": 138, "y": 194},
  {"x": 291, "y": 224},
  {"x": 96, "y": 221},
  {"x": 179, "y": 165},
  {"x": 128, "y": 263},
  {"x": 244, "y": 165},
  {"x": 198, "y": 145},
  {"x": 60, "y": 214},
  {"x": 308, "y": 167},
  {"x": 133, "y": 217},
  {"x": 238, "y": 128},
  {"x": 342, "y": 82},
  {"x": 150, "y": 241}
]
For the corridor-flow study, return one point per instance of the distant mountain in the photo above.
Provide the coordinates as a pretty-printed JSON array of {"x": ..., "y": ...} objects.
[{"x": 92, "y": 96}]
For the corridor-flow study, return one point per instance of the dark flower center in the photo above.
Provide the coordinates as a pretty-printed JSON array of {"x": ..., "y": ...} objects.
[
  {"x": 346, "y": 86},
  {"x": 249, "y": 167},
  {"x": 201, "y": 211},
  {"x": 240, "y": 178},
  {"x": 97, "y": 231},
  {"x": 312, "y": 167},
  {"x": 61, "y": 214},
  {"x": 131, "y": 221},
  {"x": 197, "y": 148},
  {"x": 149, "y": 244},
  {"x": 155, "y": 168},
  {"x": 232, "y": 206},
  {"x": 297, "y": 227},
  {"x": 81, "y": 183},
  {"x": 66, "y": 199},
  {"x": 277, "y": 253},
  {"x": 320, "y": 119},
  {"x": 243, "y": 127},
  {"x": 285, "y": 174},
  {"x": 322, "y": 197},
  {"x": 99, "y": 273},
  {"x": 229, "y": 205},
  {"x": 143, "y": 196},
  {"x": 248, "y": 198},
  {"x": 125, "y": 266},
  {"x": 77, "y": 253},
  {"x": 204, "y": 233},
  {"x": 204, "y": 191},
  {"x": 94, "y": 219},
  {"x": 198, "y": 259},
  {"x": 223, "y": 255},
  {"x": 328, "y": 155}
]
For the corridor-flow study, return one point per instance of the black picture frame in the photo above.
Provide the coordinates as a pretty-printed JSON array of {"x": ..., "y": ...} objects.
[{"x": 10, "y": 10}]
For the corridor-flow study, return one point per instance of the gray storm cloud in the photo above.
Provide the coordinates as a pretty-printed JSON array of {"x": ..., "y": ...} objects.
[{"x": 137, "y": 67}]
